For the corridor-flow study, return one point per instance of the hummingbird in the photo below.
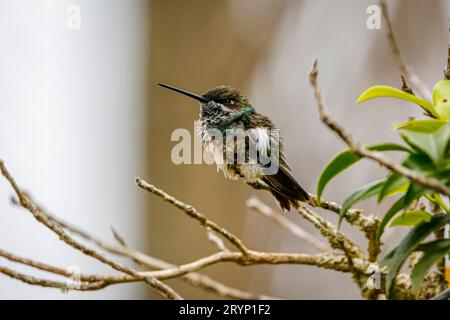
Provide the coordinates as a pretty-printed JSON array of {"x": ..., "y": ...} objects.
[{"x": 223, "y": 108}]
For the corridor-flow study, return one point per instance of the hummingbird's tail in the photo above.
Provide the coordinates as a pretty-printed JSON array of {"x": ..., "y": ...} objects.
[{"x": 286, "y": 190}]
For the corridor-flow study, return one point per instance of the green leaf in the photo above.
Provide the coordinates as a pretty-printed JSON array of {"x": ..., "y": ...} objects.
[
  {"x": 414, "y": 191},
  {"x": 422, "y": 126},
  {"x": 434, "y": 145},
  {"x": 410, "y": 243},
  {"x": 393, "y": 183},
  {"x": 441, "y": 98},
  {"x": 338, "y": 164},
  {"x": 444, "y": 295},
  {"x": 347, "y": 158},
  {"x": 363, "y": 193},
  {"x": 386, "y": 91},
  {"x": 396, "y": 183},
  {"x": 388, "y": 146},
  {"x": 411, "y": 218},
  {"x": 433, "y": 252},
  {"x": 441, "y": 202},
  {"x": 396, "y": 207},
  {"x": 401, "y": 188}
]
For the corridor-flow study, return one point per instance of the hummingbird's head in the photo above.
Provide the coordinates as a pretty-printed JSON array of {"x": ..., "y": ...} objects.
[{"x": 224, "y": 97}]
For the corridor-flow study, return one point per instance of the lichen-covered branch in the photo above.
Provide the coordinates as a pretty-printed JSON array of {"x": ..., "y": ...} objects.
[
  {"x": 146, "y": 261},
  {"x": 353, "y": 260},
  {"x": 367, "y": 223},
  {"x": 336, "y": 239},
  {"x": 187, "y": 272}
]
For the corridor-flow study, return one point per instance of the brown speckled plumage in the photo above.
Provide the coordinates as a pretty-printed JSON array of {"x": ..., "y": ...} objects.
[{"x": 225, "y": 108}]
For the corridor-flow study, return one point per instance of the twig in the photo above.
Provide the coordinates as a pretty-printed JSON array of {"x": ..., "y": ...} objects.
[
  {"x": 216, "y": 240},
  {"x": 447, "y": 69},
  {"x": 366, "y": 223},
  {"x": 40, "y": 281},
  {"x": 355, "y": 217},
  {"x": 118, "y": 237},
  {"x": 327, "y": 260},
  {"x": 41, "y": 217},
  {"x": 363, "y": 152},
  {"x": 336, "y": 239},
  {"x": 405, "y": 87},
  {"x": 107, "y": 279},
  {"x": 195, "y": 279},
  {"x": 34, "y": 264},
  {"x": 193, "y": 213},
  {"x": 296, "y": 230},
  {"x": 93, "y": 282},
  {"x": 404, "y": 68}
]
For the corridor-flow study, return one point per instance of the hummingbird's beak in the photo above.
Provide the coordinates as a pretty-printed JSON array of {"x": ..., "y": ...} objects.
[{"x": 186, "y": 93}]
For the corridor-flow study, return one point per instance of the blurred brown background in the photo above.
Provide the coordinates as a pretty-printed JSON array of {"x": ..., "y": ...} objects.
[
  {"x": 86, "y": 105},
  {"x": 266, "y": 48}
]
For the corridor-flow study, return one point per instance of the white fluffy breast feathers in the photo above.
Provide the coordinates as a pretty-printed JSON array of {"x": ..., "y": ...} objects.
[
  {"x": 261, "y": 137},
  {"x": 258, "y": 139}
]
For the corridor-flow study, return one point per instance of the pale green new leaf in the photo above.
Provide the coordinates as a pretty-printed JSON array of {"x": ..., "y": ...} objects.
[
  {"x": 411, "y": 218},
  {"x": 434, "y": 145},
  {"x": 414, "y": 191},
  {"x": 421, "y": 126},
  {"x": 390, "y": 92},
  {"x": 441, "y": 99},
  {"x": 395, "y": 183}
]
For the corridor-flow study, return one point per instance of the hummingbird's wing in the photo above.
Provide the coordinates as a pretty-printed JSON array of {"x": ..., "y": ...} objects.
[
  {"x": 286, "y": 189},
  {"x": 282, "y": 184}
]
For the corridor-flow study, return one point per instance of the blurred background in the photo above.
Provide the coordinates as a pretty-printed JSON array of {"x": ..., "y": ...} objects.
[{"x": 81, "y": 116}]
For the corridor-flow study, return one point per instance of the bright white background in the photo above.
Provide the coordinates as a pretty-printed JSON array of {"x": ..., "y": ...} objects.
[{"x": 71, "y": 101}]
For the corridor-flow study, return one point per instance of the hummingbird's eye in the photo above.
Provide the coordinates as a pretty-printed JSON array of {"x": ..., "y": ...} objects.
[{"x": 231, "y": 101}]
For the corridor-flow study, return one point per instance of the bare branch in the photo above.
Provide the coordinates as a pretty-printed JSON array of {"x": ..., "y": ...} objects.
[
  {"x": 37, "y": 265},
  {"x": 33, "y": 280},
  {"x": 323, "y": 260},
  {"x": 363, "y": 152},
  {"x": 216, "y": 240},
  {"x": 195, "y": 279},
  {"x": 26, "y": 202},
  {"x": 95, "y": 282},
  {"x": 118, "y": 237},
  {"x": 447, "y": 69},
  {"x": 193, "y": 213},
  {"x": 296, "y": 230},
  {"x": 405, "y": 70}
]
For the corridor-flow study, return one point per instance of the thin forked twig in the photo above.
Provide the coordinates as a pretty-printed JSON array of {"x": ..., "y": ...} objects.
[
  {"x": 363, "y": 152},
  {"x": 193, "y": 278},
  {"x": 26, "y": 202},
  {"x": 405, "y": 70},
  {"x": 296, "y": 230},
  {"x": 193, "y": 213}
]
